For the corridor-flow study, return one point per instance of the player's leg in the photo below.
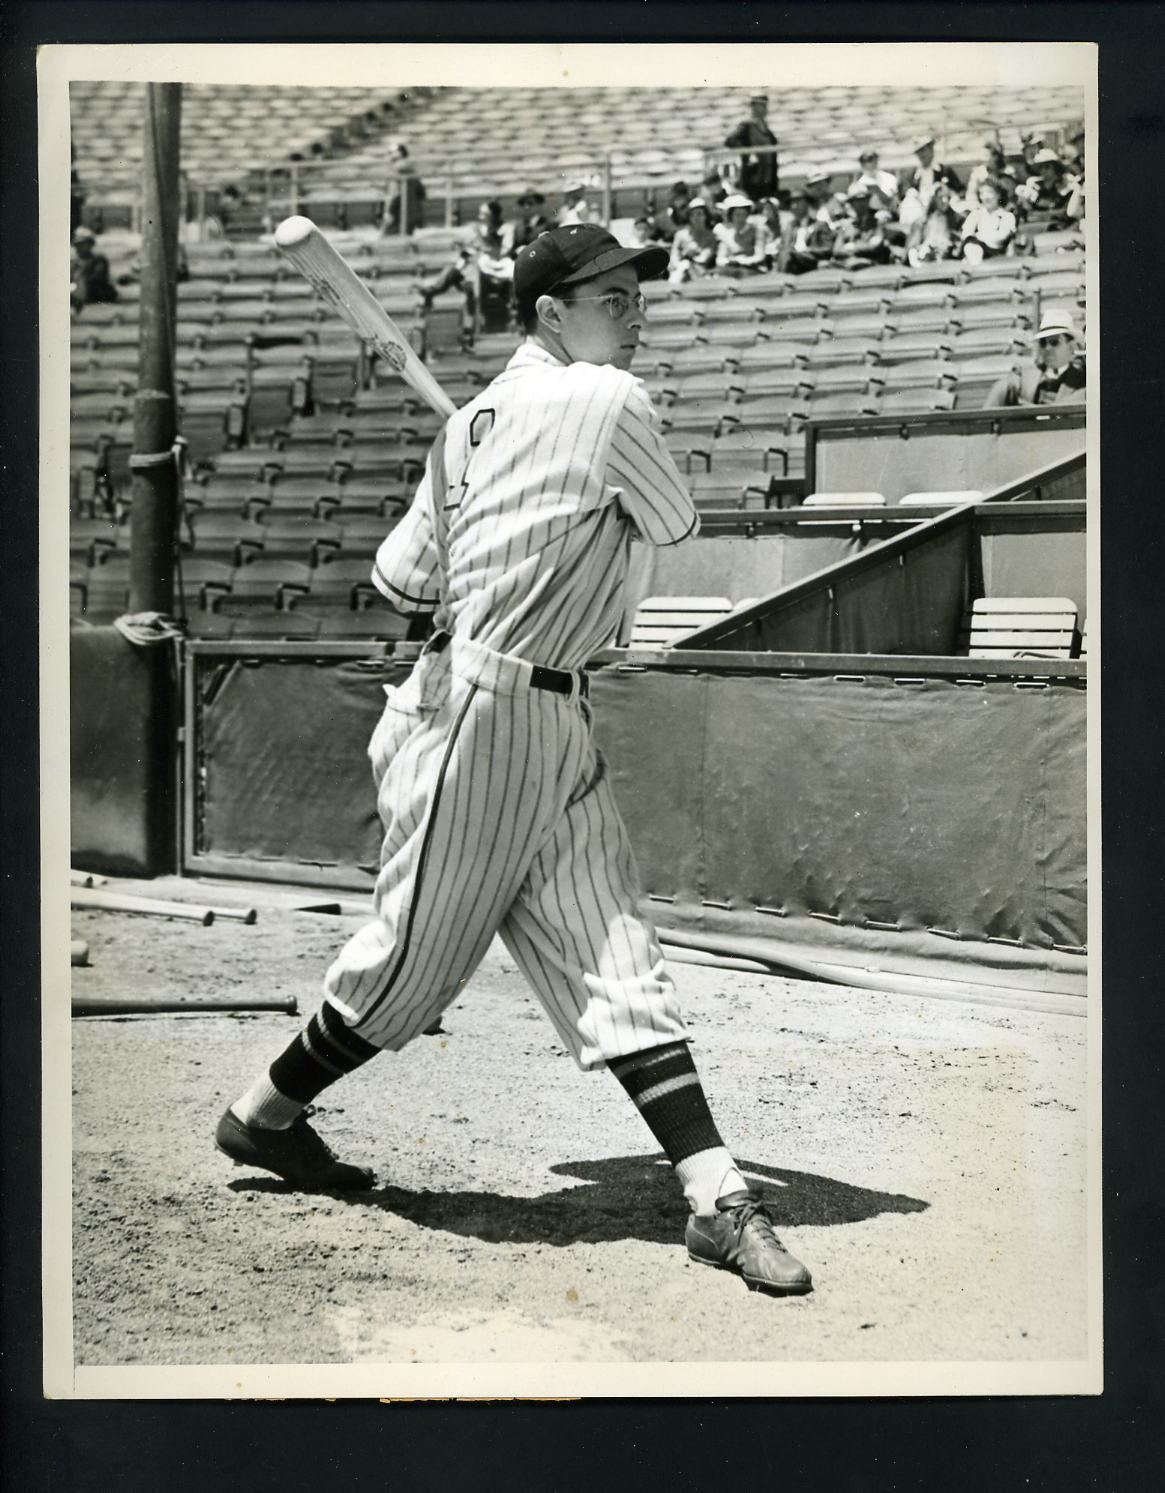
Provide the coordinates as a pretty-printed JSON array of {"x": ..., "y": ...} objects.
[
  {"x": 595, "y": 963},
  {"x": 265, "y": 1126}
]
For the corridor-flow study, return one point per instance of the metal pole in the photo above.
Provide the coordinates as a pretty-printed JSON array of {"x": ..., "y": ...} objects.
[{"x": 154, "y": 521}]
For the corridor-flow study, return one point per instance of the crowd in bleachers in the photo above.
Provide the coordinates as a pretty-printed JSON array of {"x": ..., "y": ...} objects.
[{"x": 846, "y": 288}]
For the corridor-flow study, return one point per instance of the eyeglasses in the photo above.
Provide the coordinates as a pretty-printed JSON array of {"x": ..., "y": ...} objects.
[{"x": 617, "y": 302}]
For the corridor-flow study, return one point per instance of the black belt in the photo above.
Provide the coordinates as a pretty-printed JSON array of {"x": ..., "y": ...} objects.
[{"x": 561, "y": 681}]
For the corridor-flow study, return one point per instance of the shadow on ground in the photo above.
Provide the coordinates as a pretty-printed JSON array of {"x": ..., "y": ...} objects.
[{"x": 628, "y": 1197}]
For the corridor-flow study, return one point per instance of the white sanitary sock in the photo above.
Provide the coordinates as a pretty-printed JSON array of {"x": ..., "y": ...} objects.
[
  {"x": 709, "y": 1175},
  {"x": 264, "y": 1106}
]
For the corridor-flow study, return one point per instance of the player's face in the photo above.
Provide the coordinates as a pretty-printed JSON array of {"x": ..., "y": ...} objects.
[{"x": 588, "y": 331}]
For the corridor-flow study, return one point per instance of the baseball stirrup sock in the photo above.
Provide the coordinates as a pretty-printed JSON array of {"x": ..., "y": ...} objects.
[{"x": 324, "y": 1051}]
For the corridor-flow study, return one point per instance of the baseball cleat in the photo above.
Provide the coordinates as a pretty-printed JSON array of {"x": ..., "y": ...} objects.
[
  {"x": 739, "y": 1237},
  {"x": 296, "y": 1154}
]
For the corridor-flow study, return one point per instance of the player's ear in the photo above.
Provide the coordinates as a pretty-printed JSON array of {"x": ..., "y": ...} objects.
[{"x": 548, "y": 312}]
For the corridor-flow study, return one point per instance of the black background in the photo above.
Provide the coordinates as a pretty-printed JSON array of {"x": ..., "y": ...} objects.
[{"x": 1114, "y": 1441}]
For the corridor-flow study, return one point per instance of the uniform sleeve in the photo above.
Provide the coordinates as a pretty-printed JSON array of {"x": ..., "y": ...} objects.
[
  {"x": 651, "y": 491},
  {"x": 407, "y": 572}
]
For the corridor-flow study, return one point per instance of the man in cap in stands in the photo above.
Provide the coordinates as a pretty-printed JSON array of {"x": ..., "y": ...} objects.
[
  {"x": 89, "y": 272},
  {"x": 805, "y": 241},
  {"x": 1055, "y": 376},
  {"x": 758, "y": 170},
  {"x": 528, "y": 224},
  {"x": 917, "y": 186},
  {"x": 872, "y": 179}
]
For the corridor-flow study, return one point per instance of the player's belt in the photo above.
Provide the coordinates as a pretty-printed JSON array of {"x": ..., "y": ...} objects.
[{"x": 560, "y": 681}]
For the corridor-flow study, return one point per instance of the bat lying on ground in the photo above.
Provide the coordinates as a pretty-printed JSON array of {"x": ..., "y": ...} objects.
[{"x": 333, "y": 278}]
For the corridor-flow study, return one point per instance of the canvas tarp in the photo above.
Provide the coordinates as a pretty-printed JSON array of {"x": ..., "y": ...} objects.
[{"x": 909, "y": 825}]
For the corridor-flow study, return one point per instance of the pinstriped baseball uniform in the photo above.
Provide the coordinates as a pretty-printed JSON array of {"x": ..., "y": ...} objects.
[{"x": 497, "y": 810}]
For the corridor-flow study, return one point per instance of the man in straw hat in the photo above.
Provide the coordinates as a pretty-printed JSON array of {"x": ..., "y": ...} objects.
[{"x": 1056, "y": 374}]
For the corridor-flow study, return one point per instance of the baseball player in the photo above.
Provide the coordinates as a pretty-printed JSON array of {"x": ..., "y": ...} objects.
[{"x": 498, "y": 813}]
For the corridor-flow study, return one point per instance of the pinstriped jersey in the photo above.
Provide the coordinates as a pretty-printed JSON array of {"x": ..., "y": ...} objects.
[{"x": 519, "y": 534}]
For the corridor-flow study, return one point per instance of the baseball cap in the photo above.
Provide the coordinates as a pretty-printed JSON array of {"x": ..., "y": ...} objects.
[
  {"x": 1056, "y": 324},
  {"x": 735, "y": 199},
  {"x": 816, "y": 178},
  {"x": 922, "y": 144},
  {"x": 81, "y": 234},
  {"x": 580, "y": 251},
  {"x": 1045, "y": 155}
]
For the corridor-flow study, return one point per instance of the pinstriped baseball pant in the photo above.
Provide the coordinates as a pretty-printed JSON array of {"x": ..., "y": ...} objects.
[{"x": 499, "y": 819}]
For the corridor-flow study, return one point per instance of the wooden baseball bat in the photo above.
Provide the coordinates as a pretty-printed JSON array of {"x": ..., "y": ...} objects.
[{"x": 336, "y": 282}]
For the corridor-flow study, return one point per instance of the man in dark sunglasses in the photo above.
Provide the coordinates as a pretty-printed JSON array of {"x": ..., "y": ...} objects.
[{"x": 1056, "y": 374}]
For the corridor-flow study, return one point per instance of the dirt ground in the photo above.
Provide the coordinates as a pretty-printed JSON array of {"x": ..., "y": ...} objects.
[{"x": 925, "y": 1157}]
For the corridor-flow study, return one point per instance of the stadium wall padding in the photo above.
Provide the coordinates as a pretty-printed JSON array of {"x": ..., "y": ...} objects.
[
  {"x": 913, "y": 825},
  {"x": 920, "y": 825},
  {"x": 282, "y": 776},
  {"x": 123, "y": 718}
]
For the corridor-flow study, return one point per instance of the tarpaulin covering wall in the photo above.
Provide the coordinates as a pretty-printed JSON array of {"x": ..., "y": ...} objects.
[
  {"x": 916, "y": 453},
  {"x": 914, "y": 825},
  {"x": 920, "y": 826},
  {"x": 279, "y": 768},
  {"x": 123, "y": 715}
]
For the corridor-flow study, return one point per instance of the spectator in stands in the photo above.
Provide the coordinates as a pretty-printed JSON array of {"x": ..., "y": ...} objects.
[
  {"x": 1055, "y": 376},
  {"x": 936, "y": 235},
  {"x": 991, "y": 167},
  {"x": 872, "y": 179},
  {"x": 1030, "y": 146},
  {"x": 89, "y": 272},
  {"x": 694, "y": 248},
  {"x": 76, "y": 192},
  {"x": 482, "y": 271},
  {"x": 758, "y": 171},
  {"x": 529, "y": 223},
  {"x": 713, "y": 190},
  {"x": 989, "y": 227},
  {"x": 405, "y": 208},
  {"x": 860, "y": 240},
  {"x": 1050, "y": 190},
  {"x": 805, "y": 241},
  {"x": 822, "y": 200},
  {"x": 645, "y": 230},
  {"x": 1072, "y": 150},
  {"x": 575, "y": 207},
  {"x": 675, "y": 215},
  {"x": 917, "y": 186},
  {"x": 743, "y": 241}
]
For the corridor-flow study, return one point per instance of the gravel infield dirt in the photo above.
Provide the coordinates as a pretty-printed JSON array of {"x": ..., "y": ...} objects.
[{"x": 925, "y": 1157}]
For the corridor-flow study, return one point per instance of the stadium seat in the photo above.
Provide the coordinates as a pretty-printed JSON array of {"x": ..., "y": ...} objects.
[
  {"x": 661, "y": 620},
  {"x": 845, "y": 500},
  {"x": 1019, "y": 627}
]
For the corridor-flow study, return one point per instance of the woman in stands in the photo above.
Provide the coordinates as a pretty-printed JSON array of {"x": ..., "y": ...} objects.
[
  {"x": 935, "y": 236},
  {"x": 694, "y": 247},
  {"x": 989, "y": 228},
  {"x": 743, "y": 239}
]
